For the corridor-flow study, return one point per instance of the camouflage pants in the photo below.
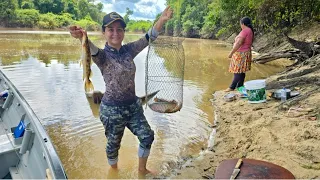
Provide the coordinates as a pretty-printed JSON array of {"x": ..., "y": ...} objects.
[{"x": 116, "y": 118}]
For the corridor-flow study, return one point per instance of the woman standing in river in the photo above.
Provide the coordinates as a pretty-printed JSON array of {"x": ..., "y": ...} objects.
[
  {"x": 120, "y": 107},
  {"x": 241, "y": 54}
]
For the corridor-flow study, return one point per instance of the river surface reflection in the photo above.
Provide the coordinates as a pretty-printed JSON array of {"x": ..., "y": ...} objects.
[{"x": 44, "y": 66}]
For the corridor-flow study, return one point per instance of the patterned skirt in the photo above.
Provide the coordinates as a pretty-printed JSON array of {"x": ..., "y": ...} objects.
[{"x": 240, "y": 62}]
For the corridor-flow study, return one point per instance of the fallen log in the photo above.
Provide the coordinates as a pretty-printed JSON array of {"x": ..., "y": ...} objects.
[
  {"x": 290, "y": 54},
  {"x": 303, "y": 51}
]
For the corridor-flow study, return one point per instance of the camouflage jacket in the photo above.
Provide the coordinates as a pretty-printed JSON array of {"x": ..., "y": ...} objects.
[{"x": 118, "y": 71}]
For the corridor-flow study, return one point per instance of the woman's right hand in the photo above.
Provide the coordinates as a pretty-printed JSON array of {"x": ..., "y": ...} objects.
[{"x": 76, "y": 32}]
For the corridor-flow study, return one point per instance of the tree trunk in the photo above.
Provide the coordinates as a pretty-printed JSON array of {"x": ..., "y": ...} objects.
[
  {"x": 304, "y": 51},
  {"x": 308, "y": 48},
  {"x": 291, "y": 54}
]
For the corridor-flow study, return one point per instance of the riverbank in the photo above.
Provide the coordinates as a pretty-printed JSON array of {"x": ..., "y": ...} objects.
[{"x": 286, "y": 134}]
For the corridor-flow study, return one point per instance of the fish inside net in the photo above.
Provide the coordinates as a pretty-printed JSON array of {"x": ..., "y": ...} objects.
[{"x": 165, "y": 74}]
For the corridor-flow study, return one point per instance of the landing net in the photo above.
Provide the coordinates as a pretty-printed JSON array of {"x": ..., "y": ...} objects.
[{"x": 165, "y": 72}]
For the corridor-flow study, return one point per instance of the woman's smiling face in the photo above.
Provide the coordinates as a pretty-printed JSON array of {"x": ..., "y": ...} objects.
[{"x": 114, "y": 34}]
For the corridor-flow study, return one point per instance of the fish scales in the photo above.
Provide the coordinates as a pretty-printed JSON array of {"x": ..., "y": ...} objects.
[{"x": 86, "y": 63}]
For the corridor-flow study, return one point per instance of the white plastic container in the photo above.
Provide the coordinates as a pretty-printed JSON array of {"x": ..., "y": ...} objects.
[
  {"x": 283, "y": 95},
  {"x": 256, "y": 90}
]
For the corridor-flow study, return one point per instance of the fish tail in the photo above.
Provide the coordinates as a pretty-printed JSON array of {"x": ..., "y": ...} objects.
[{"x": 88, "y": 86}]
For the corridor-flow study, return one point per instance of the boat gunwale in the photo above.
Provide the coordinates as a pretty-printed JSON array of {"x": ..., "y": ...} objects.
[{"x": 45, "y": 141}]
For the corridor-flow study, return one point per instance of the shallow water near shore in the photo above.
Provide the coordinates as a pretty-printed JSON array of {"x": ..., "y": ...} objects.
[{"x": 44, "y": 66}]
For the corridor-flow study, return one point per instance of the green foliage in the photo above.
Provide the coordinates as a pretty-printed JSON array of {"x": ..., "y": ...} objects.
[
  {"x": 224, "y": 31},
  {"x": 27, "y": 5},
  {"x": 99, "y": 6},
  {"x": 221, "y": 17},
  {"x": 7, "y": 11},
  {"x": 212, "y": 19},
  {"x": 50, "y": 14},
  {"x": 64, "y": 20},
  {"x": 188, "y": 18},
  {"x": 169, "y": 28},
  {"x": 174, "y": 26},
  {"x": 70, "y": 7},
  {"x": 127, "y": 15},
  {"x": 83, "y": 7},
  {"x": 57, "y": 7},
  {"x": 45, "y": 6},
  {"x": 187, "y": 27},
  {"x": 27, "y": 17},
  {"x": 276, "y": 14},
  {"x": 51, "y": 21},
  {"x": 192, "y": 21},
  {"x": 94, "y": 13},
  {"x": 201, "y": 18},
  {"x": 88, "y": 24},
  {"x": 48, "y": 21},
  {"x": 139, "y": 26}
]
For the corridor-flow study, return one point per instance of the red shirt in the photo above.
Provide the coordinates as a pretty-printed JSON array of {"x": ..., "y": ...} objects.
[{"x": 247, "y": 34}]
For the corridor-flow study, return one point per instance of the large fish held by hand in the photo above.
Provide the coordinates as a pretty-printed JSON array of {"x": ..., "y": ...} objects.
[{"x": 86, "y": 63}]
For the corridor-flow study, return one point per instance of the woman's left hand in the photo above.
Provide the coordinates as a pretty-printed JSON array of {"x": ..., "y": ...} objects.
[
  {"x": 167, "y": 14},
  {"x": 230, "y": 55}
]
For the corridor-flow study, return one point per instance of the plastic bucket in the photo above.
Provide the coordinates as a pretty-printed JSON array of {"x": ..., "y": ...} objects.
[{"x": 256, "y": 90}]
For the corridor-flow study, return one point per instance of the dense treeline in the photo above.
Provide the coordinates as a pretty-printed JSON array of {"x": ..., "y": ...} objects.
[
  {"x": 216, "y": 18},
  {"x": 51, "y": 14},
  {"x": 192, "y": 18}
]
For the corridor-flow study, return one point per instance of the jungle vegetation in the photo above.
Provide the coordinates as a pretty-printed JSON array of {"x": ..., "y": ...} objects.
[{"x": 192, "y": 18}]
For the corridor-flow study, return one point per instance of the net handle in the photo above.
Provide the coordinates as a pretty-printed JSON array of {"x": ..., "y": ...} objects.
[
  {"x": 147, "y": 58},
  {"x": 147, "y": 62}
]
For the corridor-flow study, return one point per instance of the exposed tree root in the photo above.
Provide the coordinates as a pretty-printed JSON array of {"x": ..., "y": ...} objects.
[
  {"x": 292, "y": 54},
  {"x": 303, "y": 51},
  {"x": 300, "y": 73},
  {"x": 294, "y": 82},
  {"x": 295, "y": 100}
]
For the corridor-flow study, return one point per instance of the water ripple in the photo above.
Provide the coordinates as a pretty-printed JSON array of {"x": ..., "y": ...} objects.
[{"x": 44, "y": 67}]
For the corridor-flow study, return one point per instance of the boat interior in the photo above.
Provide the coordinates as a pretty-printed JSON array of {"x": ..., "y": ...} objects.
[{"x": 26, "y": 151}]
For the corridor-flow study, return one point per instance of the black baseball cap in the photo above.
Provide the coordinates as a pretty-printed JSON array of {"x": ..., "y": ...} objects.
[{"x": 112, "y": 17}]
